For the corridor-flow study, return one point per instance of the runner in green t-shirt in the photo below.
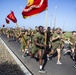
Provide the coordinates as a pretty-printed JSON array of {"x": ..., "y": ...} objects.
[
  {"x": 56, "y": 44},
  {"x": 73, "y": 43},
  {"x": 38, "y": 46}
]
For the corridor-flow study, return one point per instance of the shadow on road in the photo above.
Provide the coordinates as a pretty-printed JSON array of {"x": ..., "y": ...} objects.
[{"x": 10, "y": 69}]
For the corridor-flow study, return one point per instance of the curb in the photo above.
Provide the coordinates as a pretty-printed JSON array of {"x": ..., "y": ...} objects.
[{"x": 24, "y": 69}]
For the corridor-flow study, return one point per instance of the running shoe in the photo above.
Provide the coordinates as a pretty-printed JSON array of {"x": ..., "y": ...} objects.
[
  {"x": 74, "y": 66},
  {"x": 59, "y": 63},
  {"x": 42, "y": 71}
]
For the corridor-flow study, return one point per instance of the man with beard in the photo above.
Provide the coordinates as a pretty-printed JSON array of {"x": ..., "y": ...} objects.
[{"x": 56, "y": 44}]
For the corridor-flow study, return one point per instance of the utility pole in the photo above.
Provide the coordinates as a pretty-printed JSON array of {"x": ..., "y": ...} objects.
[{"x": 55, "y": 17}]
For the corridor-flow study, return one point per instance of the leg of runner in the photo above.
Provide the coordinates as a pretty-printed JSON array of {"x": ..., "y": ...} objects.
[
  {"x": 40, "y": 53},
  {"x": 59, "y": 56}
]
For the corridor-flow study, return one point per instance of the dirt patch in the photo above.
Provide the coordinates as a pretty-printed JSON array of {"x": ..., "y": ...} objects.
[{"x": 8, "y": 66}]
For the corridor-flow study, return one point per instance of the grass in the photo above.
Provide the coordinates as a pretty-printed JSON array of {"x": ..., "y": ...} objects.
[{"x": 68, "y": 34}]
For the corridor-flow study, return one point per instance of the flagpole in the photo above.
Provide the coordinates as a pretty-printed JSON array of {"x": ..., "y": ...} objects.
[
  {"x": 6, "y": 23},
  {"x": 46, "y": 26},
  {"x": 55, "y": 22},
  {"x": 17, "y": 25},
  {"x": 51, "y": 21},
  {"x": 63, "y": 25},
  {"x": 46, "y": 18}
]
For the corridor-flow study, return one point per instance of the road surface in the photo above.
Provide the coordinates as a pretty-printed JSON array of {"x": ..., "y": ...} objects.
[{"x": 51, "y": 67}]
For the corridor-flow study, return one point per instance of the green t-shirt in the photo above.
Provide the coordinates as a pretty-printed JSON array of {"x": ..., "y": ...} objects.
[
  {"x": 58, "y": 41},
  {"x": 27, "y": 38},
  {"x": 34, "y": 31},
  {"x": 39, "y": 37},
  {"x": 73, "y": 39}
]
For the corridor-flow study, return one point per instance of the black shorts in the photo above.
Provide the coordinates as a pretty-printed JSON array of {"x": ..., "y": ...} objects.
[
  {"x": 75, "y": 58},
  {"x": 75, "y": 55}
]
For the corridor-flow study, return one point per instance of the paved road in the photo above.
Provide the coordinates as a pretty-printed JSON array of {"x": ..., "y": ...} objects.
[{"x": 51, "y": 67}]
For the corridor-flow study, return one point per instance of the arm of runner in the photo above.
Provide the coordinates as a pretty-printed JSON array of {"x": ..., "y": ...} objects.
[{"x": 38, "y": 44}]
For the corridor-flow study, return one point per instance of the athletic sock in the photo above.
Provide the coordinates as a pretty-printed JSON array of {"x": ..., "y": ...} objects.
[{"x": 40, "y": 67}]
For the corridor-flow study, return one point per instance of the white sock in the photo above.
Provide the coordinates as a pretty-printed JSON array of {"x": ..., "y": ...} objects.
[
  {"x": 48, "y": 55},
  {"x": 40, "y": 66},
  {"x": 27, "y": 52}
]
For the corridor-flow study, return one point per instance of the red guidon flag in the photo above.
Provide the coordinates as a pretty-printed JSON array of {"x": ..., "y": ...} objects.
[
  {"x": 7, "y": 21},
  {"x": 34, "y": 7},
  {"x": 12, "y": 17}
]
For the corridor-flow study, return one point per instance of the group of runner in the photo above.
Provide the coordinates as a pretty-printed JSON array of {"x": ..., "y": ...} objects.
[{"x": 41, "y": 44}]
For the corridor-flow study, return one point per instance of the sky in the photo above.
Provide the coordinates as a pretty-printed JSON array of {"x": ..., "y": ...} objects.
[{"x": 63, "y": 10}]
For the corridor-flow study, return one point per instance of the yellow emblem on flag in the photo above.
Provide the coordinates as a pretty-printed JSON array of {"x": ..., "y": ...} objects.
[
  {"x": 30, "y": 2},
  {"x": 11, "y": 16}
]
